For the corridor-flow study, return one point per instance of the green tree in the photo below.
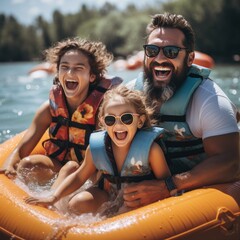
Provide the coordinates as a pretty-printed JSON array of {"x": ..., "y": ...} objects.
[
  {"x": 228, "y": 34},
  {"x": 59, "y": 25},
  {"x": 123, "y": 31},
  {"x": 11, "y": 41},
  {"x": 44, "y": 32}
]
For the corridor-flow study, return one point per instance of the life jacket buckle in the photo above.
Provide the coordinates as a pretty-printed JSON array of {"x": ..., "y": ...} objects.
[{"x": 64, "y": 121}]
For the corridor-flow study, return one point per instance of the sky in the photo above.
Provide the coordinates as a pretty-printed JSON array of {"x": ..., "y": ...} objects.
[{"x": 25, "y": 11}]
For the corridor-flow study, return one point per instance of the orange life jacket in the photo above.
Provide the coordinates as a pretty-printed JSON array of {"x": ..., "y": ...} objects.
[{"x": 69, "y": 138}]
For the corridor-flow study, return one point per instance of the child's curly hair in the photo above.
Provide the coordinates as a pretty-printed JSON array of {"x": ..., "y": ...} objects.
[
  {"x": 132, "y": 97},
  {"x": 96, "y": 52}
]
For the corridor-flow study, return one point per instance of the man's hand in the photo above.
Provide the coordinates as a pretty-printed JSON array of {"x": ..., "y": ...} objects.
[{"x": 145, "y": 192}]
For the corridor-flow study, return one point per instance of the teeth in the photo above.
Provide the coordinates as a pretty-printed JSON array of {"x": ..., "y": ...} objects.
[
  {"x": 162, "y": 69},
  {"x": 70, "y": 80}
]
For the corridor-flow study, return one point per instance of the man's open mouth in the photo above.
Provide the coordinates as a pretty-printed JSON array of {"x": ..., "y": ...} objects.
[{"x": 162, "y": 72}]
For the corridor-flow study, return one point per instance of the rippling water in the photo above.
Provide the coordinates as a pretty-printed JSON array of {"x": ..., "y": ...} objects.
[{"x": 21, "y": 94}]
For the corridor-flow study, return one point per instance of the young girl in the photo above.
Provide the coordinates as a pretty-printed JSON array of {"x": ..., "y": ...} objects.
[
  {"x": 124, "y": 152},
  {"x": 69, "y": 114}
]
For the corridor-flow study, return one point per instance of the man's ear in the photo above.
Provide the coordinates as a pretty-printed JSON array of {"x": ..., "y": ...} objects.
[
  {"x": 191, "y": 57},
  {"x": 141, "y": 121}
]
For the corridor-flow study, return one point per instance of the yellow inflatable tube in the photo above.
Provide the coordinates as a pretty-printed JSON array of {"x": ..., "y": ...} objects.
[{"x": 210, "y": 213}]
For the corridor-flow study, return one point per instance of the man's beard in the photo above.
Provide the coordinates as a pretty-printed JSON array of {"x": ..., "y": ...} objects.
[{"x": 160, "y": 94}]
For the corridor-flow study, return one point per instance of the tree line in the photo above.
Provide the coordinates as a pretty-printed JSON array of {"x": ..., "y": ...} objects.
[{"x": 123, "y": 31}]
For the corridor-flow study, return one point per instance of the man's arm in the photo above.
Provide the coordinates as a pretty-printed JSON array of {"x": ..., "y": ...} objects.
[{"x": 220, "y": 166}]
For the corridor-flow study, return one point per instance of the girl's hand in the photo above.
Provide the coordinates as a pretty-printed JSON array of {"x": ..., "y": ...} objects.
[
  {"x": 41, "y": 201},
  {"x": 9, "y": 171}
]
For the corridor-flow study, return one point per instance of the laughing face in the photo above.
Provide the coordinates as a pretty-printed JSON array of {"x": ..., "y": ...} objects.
[
  {"x": 165, "y": 75},
  {"x": 120, "y": 133},
  {"x": 75, "y": 76}
]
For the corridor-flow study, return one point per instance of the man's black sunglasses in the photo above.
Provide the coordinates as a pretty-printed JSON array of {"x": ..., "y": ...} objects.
[{"x": 168, "y": 51}]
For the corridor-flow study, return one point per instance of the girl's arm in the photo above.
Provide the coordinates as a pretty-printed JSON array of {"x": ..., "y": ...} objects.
[
  {"x": 158, "y": 162},
  {"x": 73, "y": 182},
  {"x": 39, "y": 125}
]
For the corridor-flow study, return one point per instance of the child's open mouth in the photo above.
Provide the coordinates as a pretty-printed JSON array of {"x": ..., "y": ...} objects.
[
  {"x": 121, "y": 135},
  {"x": 71, "y": 84}
]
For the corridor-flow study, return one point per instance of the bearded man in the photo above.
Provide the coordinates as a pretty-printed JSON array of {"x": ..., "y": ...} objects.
[{"x": 202, "y": 136}]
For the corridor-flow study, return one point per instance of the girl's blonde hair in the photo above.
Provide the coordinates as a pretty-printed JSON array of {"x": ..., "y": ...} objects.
[{"x": 132, "y": 97}]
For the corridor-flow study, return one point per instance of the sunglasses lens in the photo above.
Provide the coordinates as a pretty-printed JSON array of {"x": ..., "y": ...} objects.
[
  {"x": 127, "y": 118},
  {"x": 151, "y": 50},
  {"x": 109, "y": 120},
  {"x": 171, "y": 52}
]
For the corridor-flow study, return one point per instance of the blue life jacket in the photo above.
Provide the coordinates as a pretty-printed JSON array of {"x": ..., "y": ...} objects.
[
  {"x": 136, "y": 166},
  {"x": 184, "y": 150}
]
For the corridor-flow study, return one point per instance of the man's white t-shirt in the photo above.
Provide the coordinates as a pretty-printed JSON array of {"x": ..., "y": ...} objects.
[{"x": 210, "y": 111}]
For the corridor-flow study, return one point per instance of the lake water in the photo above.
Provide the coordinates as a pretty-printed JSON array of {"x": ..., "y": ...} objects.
[{"x": 21, "y": 94}]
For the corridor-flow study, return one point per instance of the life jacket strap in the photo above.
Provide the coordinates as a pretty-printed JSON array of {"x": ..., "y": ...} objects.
[
  {"x": 61, "y": 121},
  {"x": 186, "y": 153},
  {"x": 183, "y": 143},
  {"x": 118, "y": 180},
  {"x": 64, "y": 146}
]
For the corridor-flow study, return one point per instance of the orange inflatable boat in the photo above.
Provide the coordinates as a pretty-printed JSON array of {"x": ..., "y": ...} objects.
[
  {"x": 204, "y": 60},
  {"x": 209, "y": 213}
]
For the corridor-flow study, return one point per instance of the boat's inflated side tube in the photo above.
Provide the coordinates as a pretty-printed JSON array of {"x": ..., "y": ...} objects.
[{"x": 209, "y": 213}]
